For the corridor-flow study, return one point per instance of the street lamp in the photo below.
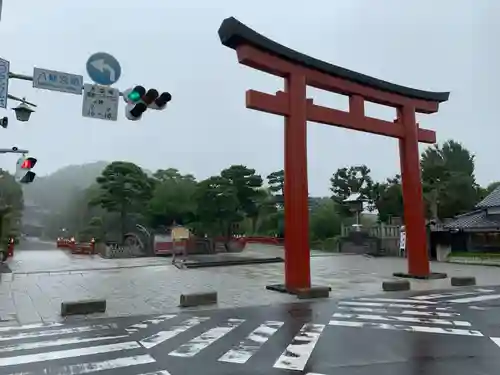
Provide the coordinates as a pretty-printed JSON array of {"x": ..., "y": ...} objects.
[{"x": 23, "y": 112}]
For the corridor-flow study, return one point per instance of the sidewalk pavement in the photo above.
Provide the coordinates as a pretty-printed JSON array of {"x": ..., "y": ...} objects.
[{"x": 42, "y": 279}]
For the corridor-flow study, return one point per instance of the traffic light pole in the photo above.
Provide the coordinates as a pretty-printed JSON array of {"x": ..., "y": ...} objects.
[
  {"x": 151, "y": 98},
  {"x": 25, "y": 77},
  {"x": 13, "y": 150}
]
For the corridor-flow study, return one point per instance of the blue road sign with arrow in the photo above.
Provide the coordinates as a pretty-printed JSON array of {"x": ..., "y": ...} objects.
[{"x": 103, "y": 68}]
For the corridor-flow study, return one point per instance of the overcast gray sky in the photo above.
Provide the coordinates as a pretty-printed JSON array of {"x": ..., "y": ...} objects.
[{"x": 173, "y": 45}]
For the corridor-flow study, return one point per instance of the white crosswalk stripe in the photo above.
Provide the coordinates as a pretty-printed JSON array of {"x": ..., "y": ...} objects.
[
  {"x": 392, "y": 305},
  {"x": 163, "y": 336},
  {"x": 57, "y": 344},
  {"x": 85, "y": 349},
  {"x": 397, "y": 314},
  {"x": 196, "y": 345},
  {"x": 403, "y": 312},
  {"x": 475, "y": 299},
  {"x": 443, "y": 296},
  {"x": 297, "y": 354},
  {"x": 148, "y": 322},
  {"x": 253, "y": 342}
]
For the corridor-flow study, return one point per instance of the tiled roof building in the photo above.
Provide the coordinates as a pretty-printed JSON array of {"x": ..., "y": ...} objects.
[
  {"x": 478, "y": 230},
  {"x": 485, "y": 217}
]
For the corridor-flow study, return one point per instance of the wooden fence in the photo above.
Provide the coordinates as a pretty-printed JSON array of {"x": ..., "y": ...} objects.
[{"x": 388, "y": 234}]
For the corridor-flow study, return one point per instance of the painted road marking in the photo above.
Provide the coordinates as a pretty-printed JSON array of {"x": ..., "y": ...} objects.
[
  {"x": 112, "y": 364},
  {"x": 196, "y": 345},
  {"x": 496, "y": 340},
  {"x": 54, "y": 332},
  {"x": 393, "y": 305},
  {"x": 253, "y": 342},
  {"x": 47, "y": 344},
  {"x": 163, "y": 336},
  {"x": 409, "y": 319},
  {"x": 29, "y": 326},
  {"x": 404, "y": 312},
  {"x": 478, "y": 308},
  {"x": 475, "y": 299},
  {"x": 161, "y": 372},
  {"x": 145, "y": 323},
  {"x": 392, "y": 300},
  {"x": 398, "y": 327},
  {"x": 70, "y": 353},
  {"x": 454, "y": 294},
  {"x": 297, "y": 354}
]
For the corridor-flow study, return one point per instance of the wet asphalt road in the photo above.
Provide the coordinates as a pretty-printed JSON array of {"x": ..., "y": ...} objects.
[{"x": 428, "y": 333}]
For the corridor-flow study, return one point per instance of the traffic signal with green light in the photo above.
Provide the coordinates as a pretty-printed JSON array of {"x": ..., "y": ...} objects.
[{"x": 139, "y": 100}]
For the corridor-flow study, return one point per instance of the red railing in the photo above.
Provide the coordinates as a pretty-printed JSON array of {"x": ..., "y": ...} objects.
[{"x": 76, "y": 248}]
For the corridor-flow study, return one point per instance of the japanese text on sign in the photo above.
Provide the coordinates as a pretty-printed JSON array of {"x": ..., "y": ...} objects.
[
  {"x": 57, "y": 81},
  {"x": 100, "y": 102}
]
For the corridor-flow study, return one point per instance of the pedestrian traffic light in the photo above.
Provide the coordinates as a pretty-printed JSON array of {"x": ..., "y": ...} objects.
[
  {"x": 4, "y": 122},
  {"x": 139, "y": 100},
  {"x": 24, "y": 175}
]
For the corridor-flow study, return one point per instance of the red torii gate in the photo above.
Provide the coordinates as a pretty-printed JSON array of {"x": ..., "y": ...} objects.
[{"x": 299, "y": 71}]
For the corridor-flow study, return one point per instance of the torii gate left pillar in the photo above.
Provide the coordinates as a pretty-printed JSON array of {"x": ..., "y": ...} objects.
[{"x": 299, "y": 71}]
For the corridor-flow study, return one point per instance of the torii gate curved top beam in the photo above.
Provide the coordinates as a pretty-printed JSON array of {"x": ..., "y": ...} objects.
[
  {"x": 234, "y": 34},
  {"x": 300, "y": 71}
]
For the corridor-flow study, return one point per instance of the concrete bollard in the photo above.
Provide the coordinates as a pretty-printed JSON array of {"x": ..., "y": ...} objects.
[
  {"x": 198, "y": 299},
  {"x": 313, "y": 292},
  {"x": 395, "y": 285},
  {"x": 83, "y": 307},
  {"x": 463, "y": 281}
]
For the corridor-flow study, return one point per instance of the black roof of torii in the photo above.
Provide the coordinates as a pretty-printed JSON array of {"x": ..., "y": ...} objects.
[{"x": 233, "y": 34}]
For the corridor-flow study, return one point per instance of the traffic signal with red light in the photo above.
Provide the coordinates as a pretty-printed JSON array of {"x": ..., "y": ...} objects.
[
  {"x": 24, "y": 175},
  {"x": 139, "y": 100}
]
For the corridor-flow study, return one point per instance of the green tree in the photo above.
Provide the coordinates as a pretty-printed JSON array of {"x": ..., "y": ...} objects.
[
  {"x": 347, "y": 181},
  {"x": 266, "y": 208},
  {"x": 324, "y": 221},
  {"x": 276, "y": 181},
  {"x": 125, "y": 189},
  {"x": 449, "y": 183},
  {"x": 389, "y": 198},
  {"x": 162, "y": 175},
  {"x": 173, "y": 198},
  {"x": 218, "y": 207},
  {"x": 11, "y": 205},
  {"x": 492, "y": 186},
  {"x": 247, "y": 186}
]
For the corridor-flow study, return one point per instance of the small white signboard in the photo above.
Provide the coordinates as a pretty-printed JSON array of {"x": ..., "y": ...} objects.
[
  {"x": 100, "y": 102},
  {"x": 4, "y": 82},
  {"x": 57, "y": 81}
]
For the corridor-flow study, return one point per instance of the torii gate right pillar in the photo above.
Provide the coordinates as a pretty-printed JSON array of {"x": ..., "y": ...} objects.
[{"x": 414, "y": 217}]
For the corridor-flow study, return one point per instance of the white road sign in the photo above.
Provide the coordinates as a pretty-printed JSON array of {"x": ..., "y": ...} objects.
[
  {"x": 57, "y": 81},
  {"x": 4, "y": 82},
  {"x": 100, "y": 102}
]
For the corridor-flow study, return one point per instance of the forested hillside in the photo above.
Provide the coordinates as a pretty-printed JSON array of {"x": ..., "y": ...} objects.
[{"x": 53, "y": 192}]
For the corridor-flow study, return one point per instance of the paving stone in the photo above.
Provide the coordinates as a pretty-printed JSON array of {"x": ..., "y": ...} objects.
[{"x": 149, "y": 286}]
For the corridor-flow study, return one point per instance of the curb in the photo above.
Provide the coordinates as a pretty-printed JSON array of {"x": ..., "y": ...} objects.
[
  {"x": 198, "y": 299},
  {"x": 83, "y": 307},
  {"x": 395, "y": 285},
  {"x": 463, "y": 281}
]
